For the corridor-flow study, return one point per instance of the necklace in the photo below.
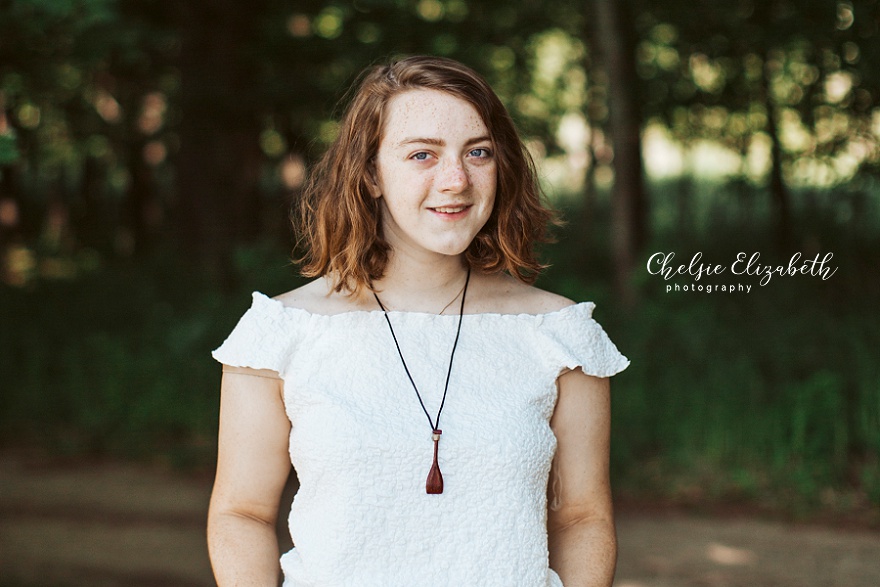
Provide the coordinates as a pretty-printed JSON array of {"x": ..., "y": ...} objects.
[
  {"x": 456, "y": 295},
  {"x": 446, "y": 307},
  {"x": 434, "y": 483}
]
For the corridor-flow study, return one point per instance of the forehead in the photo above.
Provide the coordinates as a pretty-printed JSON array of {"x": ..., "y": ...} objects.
[{"x": 431, "y": 114}]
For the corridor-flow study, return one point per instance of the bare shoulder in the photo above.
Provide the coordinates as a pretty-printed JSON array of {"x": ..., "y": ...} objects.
[
  {"x": 318, "y": 297},
  {"x": 305, "y": 297},
  {"x": 507, "y": 295},
  {"x": 264, "y": 373}
]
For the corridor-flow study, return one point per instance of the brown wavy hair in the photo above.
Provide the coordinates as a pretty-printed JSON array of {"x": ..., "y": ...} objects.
[{"x": 338, "y": 222}]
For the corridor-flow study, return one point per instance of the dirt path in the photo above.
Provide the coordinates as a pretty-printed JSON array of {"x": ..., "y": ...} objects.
[{"x": 114, "y": 525}]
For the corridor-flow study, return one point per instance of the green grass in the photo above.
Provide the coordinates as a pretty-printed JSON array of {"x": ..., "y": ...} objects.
[{"x": 770, "y": 398}]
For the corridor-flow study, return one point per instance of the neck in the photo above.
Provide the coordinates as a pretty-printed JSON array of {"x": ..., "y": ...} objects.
[{"x": 410, "y": 285}]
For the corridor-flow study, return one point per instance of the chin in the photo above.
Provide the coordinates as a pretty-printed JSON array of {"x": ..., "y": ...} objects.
[
  {"x": 453, "y": 250},
  {"x": 454, "y": 246}
]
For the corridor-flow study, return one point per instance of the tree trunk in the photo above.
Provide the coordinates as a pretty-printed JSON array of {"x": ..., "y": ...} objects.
[
  {"x": 778, "y": 190},
  {"x": 628, "y": 206},
  {"x": 595, "y": 125},
  {"x": 218, "y": 165},
  {"x": 684, "y": 200},
  {"x": 141, "y": 193},
  {"x": 91, "y": 220},
  {"x": 589, "y": 200}
]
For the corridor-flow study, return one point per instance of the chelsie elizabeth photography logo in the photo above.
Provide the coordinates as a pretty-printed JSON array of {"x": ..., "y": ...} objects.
[{"x": 745, "y": 267}]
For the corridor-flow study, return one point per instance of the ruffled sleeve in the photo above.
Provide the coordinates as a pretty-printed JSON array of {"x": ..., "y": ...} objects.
[
  {"x": 264, "y": 337},
  {"x": 571, "y": 339}
]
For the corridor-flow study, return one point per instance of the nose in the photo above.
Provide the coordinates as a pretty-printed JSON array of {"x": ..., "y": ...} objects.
[{"x": 453, "y": 176}]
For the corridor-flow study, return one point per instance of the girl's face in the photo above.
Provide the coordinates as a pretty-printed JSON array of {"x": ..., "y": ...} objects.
[{"x": 435, "y": 174}]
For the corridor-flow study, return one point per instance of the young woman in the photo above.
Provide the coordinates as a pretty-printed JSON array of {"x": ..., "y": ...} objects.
[{"x": 447, "y": 421}]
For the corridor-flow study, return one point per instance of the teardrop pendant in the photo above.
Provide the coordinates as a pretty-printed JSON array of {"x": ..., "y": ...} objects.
[{"x": 434, "y": 484}]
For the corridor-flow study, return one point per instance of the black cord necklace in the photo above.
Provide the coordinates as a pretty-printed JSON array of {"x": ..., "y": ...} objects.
[{"x": 434, "y": 483}]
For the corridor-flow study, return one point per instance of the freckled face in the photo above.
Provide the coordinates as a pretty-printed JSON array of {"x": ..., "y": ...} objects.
[{"x": 436, "y": 173}]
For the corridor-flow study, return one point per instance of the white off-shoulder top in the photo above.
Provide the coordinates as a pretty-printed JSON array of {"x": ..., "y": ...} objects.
[{"x": 361, "y": 444}]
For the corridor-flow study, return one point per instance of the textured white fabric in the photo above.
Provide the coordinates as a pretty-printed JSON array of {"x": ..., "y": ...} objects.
[{"x": 361, "y": 444}]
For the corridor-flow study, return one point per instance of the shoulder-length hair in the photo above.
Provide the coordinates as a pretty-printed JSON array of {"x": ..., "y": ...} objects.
[{"x": 339, "y": 224}]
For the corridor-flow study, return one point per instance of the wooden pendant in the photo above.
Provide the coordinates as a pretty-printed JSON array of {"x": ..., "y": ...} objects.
[{"x": 434, "y": 484}]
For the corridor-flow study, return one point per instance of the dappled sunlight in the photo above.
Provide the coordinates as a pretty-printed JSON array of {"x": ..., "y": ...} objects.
[
  {"x": 795, "y": 137},
  {"x": 299, "y": 25},
  {"x": 837, "y": 86},
  {"x": 152, "y": 115},
  {"x": 664, "y": 157},
  {"x": 845, "y": 15},
  {"x": 107, "y": 106},
  {"x": 328, "y": 24},
  {"x": 574, "y": 133},
  {"x": 155, "y": 153},
  {"x": 18, "y": 265},
  {"x": 293, "y": 172},
  {"x": 710, "y": 159},
  {"x": 730, "y": 556},
  {"x": 758, "y": 159},
  {"x": 29, "y": 115},
  {"x": 707, "y": 75}
]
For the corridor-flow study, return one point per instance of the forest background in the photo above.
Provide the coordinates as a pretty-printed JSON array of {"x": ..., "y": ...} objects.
[{"x": 150, "y": 152}]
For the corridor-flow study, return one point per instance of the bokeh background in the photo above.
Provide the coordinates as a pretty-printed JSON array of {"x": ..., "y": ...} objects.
[{"x": 150, "y": 152}]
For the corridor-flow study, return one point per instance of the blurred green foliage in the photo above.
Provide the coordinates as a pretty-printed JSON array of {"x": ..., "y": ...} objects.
[
  {"x": 100, "y": 99},
  {"x": 771, "y": 397},
  {"x": 106, "y": 107}
]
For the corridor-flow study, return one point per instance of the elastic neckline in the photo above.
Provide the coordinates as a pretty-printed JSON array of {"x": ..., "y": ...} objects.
[{"x": 573, "y": 308}]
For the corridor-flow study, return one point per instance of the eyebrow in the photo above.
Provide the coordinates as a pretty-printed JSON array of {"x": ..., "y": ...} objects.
[{"x": 438, "y": 142}]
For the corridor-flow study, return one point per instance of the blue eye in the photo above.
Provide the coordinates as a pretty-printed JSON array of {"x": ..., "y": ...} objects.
[
  {"x": 421, "y": 156},
  {"x": 481, "y": 153}
]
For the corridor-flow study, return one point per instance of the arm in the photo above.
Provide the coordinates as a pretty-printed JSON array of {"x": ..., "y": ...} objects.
[
  {"x": 252, "y": 468},
  {"x": 580, "y": 528}
]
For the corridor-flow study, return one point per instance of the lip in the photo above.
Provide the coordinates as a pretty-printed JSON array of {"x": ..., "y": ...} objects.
[{"x": 451, "y": 215}]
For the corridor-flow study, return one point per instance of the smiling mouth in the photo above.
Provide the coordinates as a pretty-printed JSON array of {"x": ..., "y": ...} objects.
[{"x": 450, "y": 209}]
